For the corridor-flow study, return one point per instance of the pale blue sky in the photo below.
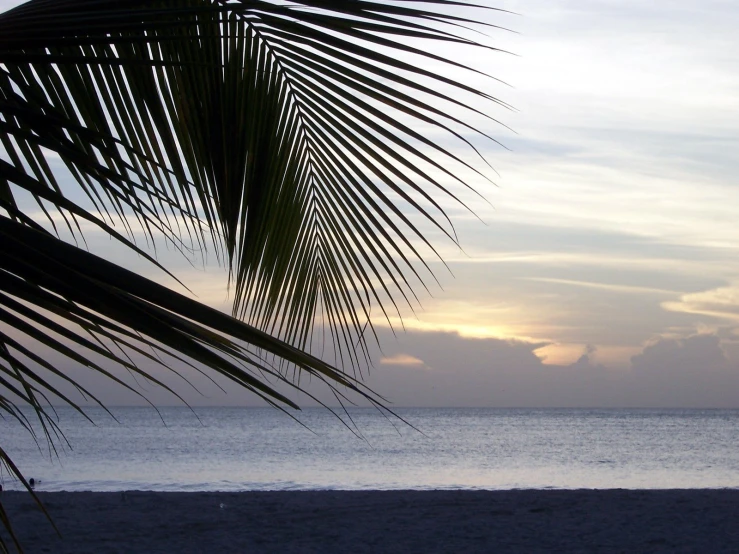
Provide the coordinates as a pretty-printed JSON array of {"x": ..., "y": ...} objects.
[
  {"x": 614, "y": 222},
  {"x": 610, "y": 248}
]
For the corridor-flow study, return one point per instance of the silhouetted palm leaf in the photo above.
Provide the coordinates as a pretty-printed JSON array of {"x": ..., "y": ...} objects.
[{"x": 283, "y": 136}]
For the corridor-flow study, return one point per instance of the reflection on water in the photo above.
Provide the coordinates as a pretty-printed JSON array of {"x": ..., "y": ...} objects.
[{"x": 259, "y": 448}]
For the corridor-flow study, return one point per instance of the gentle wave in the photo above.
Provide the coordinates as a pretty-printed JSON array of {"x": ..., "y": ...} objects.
[{"x": 232, "y": 450}]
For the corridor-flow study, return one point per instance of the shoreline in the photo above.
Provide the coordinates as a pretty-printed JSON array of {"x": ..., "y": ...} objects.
[{"x": 617, "y": 520}]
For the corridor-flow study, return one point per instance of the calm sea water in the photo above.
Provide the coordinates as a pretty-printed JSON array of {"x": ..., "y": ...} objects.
[{"x": 234, "y": 449}]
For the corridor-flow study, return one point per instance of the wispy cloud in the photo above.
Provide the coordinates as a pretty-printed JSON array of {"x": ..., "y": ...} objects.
[
  {"x": 722, "y": 303},
  {"x": 403, "y": 360},
  {"x": 629, "y": 289}
]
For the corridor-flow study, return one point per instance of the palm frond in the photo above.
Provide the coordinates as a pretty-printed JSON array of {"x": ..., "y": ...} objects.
[
  {"x": 285, "y": 137},
  {"x": 287, "y": 128},
  {"x": 77, "y": 286}
]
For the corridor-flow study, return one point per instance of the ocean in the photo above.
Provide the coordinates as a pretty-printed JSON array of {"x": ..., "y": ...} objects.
[{"x": 236, "y": 449}]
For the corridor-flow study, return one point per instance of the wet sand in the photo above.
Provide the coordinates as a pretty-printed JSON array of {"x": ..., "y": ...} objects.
[{"x": 380, "y": 521}]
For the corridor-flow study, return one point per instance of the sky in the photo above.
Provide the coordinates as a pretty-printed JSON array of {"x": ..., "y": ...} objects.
[{"x": 605, "y": 270}]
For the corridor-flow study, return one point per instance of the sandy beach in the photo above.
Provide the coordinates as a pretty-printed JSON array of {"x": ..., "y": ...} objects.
[{"x": 381, "y": 521}]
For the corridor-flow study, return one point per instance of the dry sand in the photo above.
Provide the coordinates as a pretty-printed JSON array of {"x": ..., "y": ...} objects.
[{"x": 527, "y": 521}]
